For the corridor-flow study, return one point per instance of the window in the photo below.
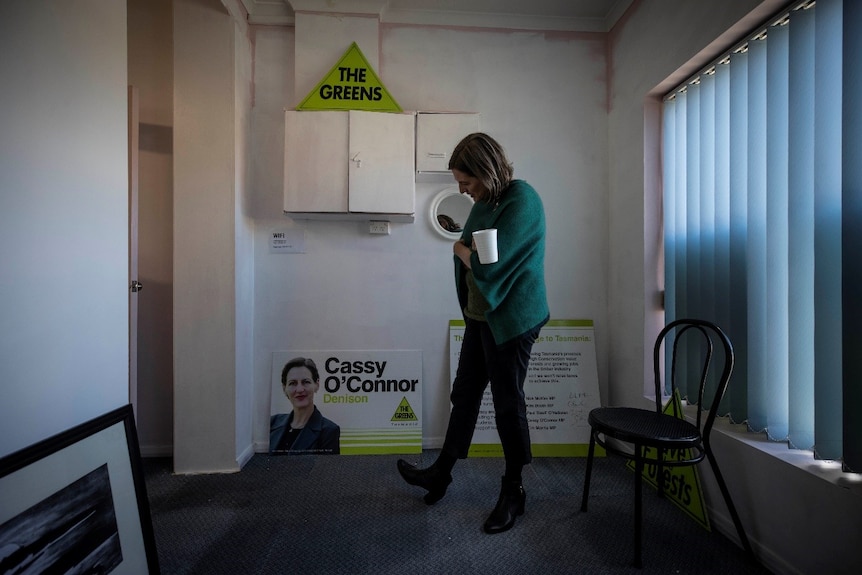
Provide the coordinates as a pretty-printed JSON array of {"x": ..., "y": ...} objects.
[{"x": 762, "y": 192}]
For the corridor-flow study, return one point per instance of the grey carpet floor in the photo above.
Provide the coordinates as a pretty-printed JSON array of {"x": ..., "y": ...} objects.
[{"x": 354, "y": 515}]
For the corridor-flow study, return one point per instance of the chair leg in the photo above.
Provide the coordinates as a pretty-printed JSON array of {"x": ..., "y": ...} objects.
[
  {"x": 589, "y": 471},
  {"x": 639, "y": 469},
  {"x": 729, "y": 502}
]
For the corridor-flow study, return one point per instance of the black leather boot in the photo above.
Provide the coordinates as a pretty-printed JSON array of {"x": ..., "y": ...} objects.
[
  {"x": 431, "y": 479},
  {"x": 509, "y": 505}
]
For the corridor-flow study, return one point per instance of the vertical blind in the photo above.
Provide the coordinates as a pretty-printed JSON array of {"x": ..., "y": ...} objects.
[{"x": 762, "y": 194}]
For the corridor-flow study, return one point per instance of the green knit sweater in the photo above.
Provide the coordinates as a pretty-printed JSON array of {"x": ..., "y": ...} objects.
[{"x": 514, "y": 286}]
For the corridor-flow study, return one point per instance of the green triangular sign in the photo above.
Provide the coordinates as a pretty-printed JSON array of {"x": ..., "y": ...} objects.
[
  {"x": 352, "y": 84},
  {"x": 404, "y": 412},
  {"x": 681, "y": 484}
]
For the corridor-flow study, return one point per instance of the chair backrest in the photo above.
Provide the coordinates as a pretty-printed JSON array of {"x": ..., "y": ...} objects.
[{"x": 685, "y": 332}]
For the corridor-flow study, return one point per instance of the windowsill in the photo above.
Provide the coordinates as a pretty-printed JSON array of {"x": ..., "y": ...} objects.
[{"x": 802, "y": 459}]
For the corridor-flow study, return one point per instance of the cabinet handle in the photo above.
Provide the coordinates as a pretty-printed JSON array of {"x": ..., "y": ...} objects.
[
  {"x": 436, "y": 155},
  {"x": 356, "y": 161}
]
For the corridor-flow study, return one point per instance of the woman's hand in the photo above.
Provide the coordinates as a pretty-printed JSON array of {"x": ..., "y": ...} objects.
[{"x": 463, "y": 252}]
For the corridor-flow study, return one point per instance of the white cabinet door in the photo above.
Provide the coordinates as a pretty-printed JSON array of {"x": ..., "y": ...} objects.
[
  {"x": 348, "y": 162},
  {"x": 381, "y": 174},
  {"x": 437, "y": 134},
  {"x": 315, "y": 162}
]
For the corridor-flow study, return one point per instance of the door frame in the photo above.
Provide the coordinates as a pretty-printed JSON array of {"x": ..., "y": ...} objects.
[{"x": 134, "y": 139}]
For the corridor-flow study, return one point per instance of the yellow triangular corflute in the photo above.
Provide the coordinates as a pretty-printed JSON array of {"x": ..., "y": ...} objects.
[
  {"x": 352, "y": 84},
  {"x": 404, "y": 412},
  {"x": 681, "y": 484}
]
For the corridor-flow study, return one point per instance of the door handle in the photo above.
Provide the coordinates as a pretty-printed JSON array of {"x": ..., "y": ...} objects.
[{"x": 136, "y": 286}]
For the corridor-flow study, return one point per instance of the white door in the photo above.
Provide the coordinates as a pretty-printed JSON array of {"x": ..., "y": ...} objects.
[
  {"x": 315, "y": 161},
  {"x": 436, "y": 137},
  {"x": 134, "y": 285},
  {"x": 381, "y": 162}
]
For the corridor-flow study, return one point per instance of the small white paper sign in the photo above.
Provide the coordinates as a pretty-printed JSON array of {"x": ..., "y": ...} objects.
[{"x": 287, "y": 241}]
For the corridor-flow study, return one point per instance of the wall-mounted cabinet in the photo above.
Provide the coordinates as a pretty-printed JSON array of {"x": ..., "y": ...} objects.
[
  {"x": 437, "y": 134},
  {"x": 349, "y": 165}
]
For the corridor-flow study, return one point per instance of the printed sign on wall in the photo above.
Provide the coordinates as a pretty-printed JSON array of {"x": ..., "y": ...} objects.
[
  {"x": 351, "y": 84},
  {"x": 561, "y": 388},
  {"x": 287, "y": 241},
  {"x": 371, "y": 401}
]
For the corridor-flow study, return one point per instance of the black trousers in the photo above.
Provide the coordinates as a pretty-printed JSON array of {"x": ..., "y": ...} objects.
[{"x": 505, "y": 367}]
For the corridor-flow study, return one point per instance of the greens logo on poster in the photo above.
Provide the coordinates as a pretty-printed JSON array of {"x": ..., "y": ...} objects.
[
  {"x": 404, "y": 412},
  {"x": 346, "y": 402}
]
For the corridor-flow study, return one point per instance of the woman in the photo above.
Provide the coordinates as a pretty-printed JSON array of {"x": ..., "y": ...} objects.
[
  {"x": 304, "y": 430},
  {"x": 505, "y": 307}
]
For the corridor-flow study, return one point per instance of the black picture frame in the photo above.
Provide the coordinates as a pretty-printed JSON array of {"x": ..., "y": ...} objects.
[{"x": 78, "y": 501}]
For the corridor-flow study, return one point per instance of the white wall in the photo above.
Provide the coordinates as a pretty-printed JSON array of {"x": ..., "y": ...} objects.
[
  {"x": 543, "y": 96},
  {"x": 800, "y": 518},
  {"x": 63, "y": 216},
  {"x": 244, "y": 244},
  {"x": 205, "y": 238}
]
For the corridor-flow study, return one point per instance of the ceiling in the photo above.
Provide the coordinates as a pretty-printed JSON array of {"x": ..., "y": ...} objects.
[{"x": 559, "y": 15}]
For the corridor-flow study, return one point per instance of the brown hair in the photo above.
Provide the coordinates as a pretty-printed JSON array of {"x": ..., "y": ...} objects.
[
  {"x": 480, "y": 156},
  {"x": 300, "y": 362}
]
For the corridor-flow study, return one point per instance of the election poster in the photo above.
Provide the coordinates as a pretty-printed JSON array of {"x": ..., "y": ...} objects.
[
  {"x": 346, "y": 402},
  {"x": 561, "y": 388}
]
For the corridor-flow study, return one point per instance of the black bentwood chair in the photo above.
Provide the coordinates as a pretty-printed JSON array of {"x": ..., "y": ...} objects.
[{"x": 643, "y": 435}]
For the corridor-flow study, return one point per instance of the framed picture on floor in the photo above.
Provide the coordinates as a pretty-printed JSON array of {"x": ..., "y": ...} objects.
[{"x": 76, "y": 502}]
